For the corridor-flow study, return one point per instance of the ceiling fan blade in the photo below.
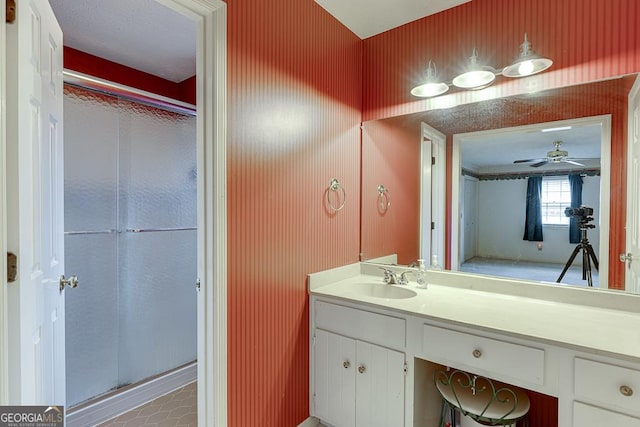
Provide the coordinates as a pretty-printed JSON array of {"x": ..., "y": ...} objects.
[
  {"x": 529, "y": 160},
  {"x": 572, "y": 162},
  {"x": 537, "y": 165}
]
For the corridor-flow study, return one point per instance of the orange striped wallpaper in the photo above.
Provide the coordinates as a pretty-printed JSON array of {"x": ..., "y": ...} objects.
[
  {"x": 587, "y": 39},
  {"x": 391, "y": 157},
  {"x": 294, "y": 90}
]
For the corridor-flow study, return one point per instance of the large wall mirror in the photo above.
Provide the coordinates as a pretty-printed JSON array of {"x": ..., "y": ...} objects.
[{"x": 484, "y": 199}]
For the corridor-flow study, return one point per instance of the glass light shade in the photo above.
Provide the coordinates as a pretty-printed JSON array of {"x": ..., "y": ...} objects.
[
  {"x": 432, "y": 86},
  {"x": 429, "y": 89},
  {"x": 475, "y": 79},
  {"x": 476, "y": 76},
  {"x": 527, "y": 63}
]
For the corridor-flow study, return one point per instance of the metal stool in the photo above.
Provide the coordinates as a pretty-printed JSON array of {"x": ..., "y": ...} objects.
[{"x": 487, "y": 402}]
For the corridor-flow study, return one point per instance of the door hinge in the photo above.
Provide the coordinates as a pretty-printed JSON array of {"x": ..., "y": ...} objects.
[
  {"x": 433, "y": 160},
  {"x": 12, "y": 267},
  {"x": 433, "y": 225},
  {"x": 313, "y": 339},
  {"x": 405, "y": 368},
  {"x": 10, "y": 7}
]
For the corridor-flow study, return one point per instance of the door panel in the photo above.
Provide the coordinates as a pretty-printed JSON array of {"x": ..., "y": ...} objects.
[
  {"x": 379, "y": 386},
  {"x": 34, "y": 145},
  {"x": 632, "y": 276},
  {"x": 334, "y": 376}
]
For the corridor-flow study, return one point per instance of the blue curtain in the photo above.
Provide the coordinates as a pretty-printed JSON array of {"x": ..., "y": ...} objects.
[
  {"x": 533, "y": 218},
  {"x": 575, "y": 185}
]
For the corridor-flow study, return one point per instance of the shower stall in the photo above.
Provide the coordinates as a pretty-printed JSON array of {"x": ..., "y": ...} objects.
[{"x": 130, "y": 236}]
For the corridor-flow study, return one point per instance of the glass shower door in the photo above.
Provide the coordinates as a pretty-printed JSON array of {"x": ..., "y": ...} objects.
[
  {"x": 157, "y": 249},
  {"x": 130, "y": 218}
]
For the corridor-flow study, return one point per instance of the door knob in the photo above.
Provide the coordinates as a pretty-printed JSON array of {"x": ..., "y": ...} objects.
[
  {"x": 626, "y": 257},
  {"x": 72, "y": 282}
]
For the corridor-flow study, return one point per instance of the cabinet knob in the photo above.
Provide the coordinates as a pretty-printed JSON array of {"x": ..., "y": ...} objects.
[
  {"x": 625, "y": 390},
  {"x": 346, "y": 364},
  {"x": 361, "y": 369},
  {"x": 477, "y": 353}
]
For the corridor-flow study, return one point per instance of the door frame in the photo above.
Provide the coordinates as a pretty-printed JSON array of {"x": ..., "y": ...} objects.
[
  {"x": 211, "y": 86},
  {"x": 432, "y": 193},
  {"x": 4, "y": 329}
]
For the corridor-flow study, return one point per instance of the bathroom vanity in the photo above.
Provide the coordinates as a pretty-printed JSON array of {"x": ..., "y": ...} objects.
[{"x": 375, "y": 347}]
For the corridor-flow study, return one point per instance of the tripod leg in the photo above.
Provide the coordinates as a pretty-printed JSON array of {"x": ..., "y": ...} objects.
[
  {"x": 568, "y": 264},
  {"x": 586, "y": 267},
  {"x": 593, "y": 257}
]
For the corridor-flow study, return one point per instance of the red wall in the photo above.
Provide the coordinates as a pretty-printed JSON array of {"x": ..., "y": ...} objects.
[
  {"x": 294, "y": 91},
  {"x": 97, "y": 67},
  {"x": 391, "y": 157}
]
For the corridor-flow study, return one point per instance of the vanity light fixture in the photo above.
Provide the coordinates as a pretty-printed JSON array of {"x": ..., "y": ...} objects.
[
  {"x": 527, "y": 63},
  {"x": 431, "y": 86},
  {"x": 477, "y": 76}
]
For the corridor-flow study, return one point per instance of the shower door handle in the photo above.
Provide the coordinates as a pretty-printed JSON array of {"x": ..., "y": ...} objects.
[{"x": 72, "y": 282}]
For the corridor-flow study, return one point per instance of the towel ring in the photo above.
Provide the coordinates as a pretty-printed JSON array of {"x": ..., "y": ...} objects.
[
  {"x": 334, "y": 186},
  {"x": 384, "y": 198}
]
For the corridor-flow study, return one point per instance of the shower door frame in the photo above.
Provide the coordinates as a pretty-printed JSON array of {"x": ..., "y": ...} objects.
[{"x": 211, "y": 19}]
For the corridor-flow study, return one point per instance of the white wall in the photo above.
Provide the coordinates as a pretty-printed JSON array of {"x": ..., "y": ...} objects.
[{"x": 501, "y": 214}]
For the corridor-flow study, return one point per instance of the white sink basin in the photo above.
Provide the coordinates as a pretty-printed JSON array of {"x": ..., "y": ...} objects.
[{"x": 381, "y": 290}]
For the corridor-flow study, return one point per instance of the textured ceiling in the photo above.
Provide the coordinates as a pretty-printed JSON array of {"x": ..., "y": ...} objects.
[
  {"x": 147, "y": 36},
  {"x": 367, "y": 18},
  {"x": 141, "y": 34}
]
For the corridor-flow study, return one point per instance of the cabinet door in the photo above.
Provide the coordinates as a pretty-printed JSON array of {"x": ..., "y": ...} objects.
[
  {"x": 379, "y": 386},
  {"x": 590, "y": 416},
  {"x": 334, "y": 379}
]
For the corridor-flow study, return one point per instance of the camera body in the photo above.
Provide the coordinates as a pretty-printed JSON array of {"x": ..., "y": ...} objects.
[
  {"x": 581, "y": 212},
  {"x": 582, "y": 215}
]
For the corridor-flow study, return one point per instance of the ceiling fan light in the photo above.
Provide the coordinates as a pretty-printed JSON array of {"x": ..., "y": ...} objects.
[
  {"x": 432, "y": 86},
  {"x": 528, "y": 62},
  {"x": 476, "y": 76}
]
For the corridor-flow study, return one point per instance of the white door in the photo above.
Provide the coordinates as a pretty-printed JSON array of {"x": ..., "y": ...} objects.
[
  {"x": 35, "y": 205},
  {"x": 379, "y": 386},
  {"x": 334, "y": 378},
  {"x": 632, "y": 257}
]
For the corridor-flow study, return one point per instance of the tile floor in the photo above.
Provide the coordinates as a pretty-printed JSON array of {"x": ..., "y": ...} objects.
[{"x": 176, "y": 409}]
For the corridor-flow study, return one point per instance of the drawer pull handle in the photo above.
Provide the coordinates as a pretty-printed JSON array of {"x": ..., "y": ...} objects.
[
  {"x": 346, "y": 364},
  {"x": 477, "y": 353},
  {"x": 361, "y": 369},
  {"x": 625, "y": 390}
]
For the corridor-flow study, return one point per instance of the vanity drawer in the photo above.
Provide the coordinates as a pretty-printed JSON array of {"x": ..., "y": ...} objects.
[
  {"x": 590, "y": 416},
  {"x": 498, "y": 359},
  {"x": 363, "y": 325},
  {"x": 610, "y": 385}
]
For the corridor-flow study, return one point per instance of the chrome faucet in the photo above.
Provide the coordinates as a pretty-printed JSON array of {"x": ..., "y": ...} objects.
[{"x": 390, "y": 277}]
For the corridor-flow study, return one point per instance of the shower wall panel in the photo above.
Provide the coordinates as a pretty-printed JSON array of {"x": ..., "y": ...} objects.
[{"x": 130, "y": 218}]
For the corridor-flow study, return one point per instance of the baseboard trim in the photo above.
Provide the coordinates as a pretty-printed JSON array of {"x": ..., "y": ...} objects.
[
  {"x": 310, "y": 422},
  {"x": 112, "y": 405}
]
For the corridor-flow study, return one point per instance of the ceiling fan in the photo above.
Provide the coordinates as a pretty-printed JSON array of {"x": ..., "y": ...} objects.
[{"x": 553, "y": 157}]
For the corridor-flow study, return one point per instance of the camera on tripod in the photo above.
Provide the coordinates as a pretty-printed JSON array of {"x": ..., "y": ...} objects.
[{"x": 582, "y": 215}]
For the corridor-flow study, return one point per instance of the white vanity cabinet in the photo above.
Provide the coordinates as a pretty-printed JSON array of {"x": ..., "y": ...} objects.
[
  {"x": 567, "y": 347},
  {"x": 357, "y": 382},
  {"x": 605, "y": 394}
]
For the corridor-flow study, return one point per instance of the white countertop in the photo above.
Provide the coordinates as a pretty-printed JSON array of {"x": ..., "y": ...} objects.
[{"x": 589, "y": 319}]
